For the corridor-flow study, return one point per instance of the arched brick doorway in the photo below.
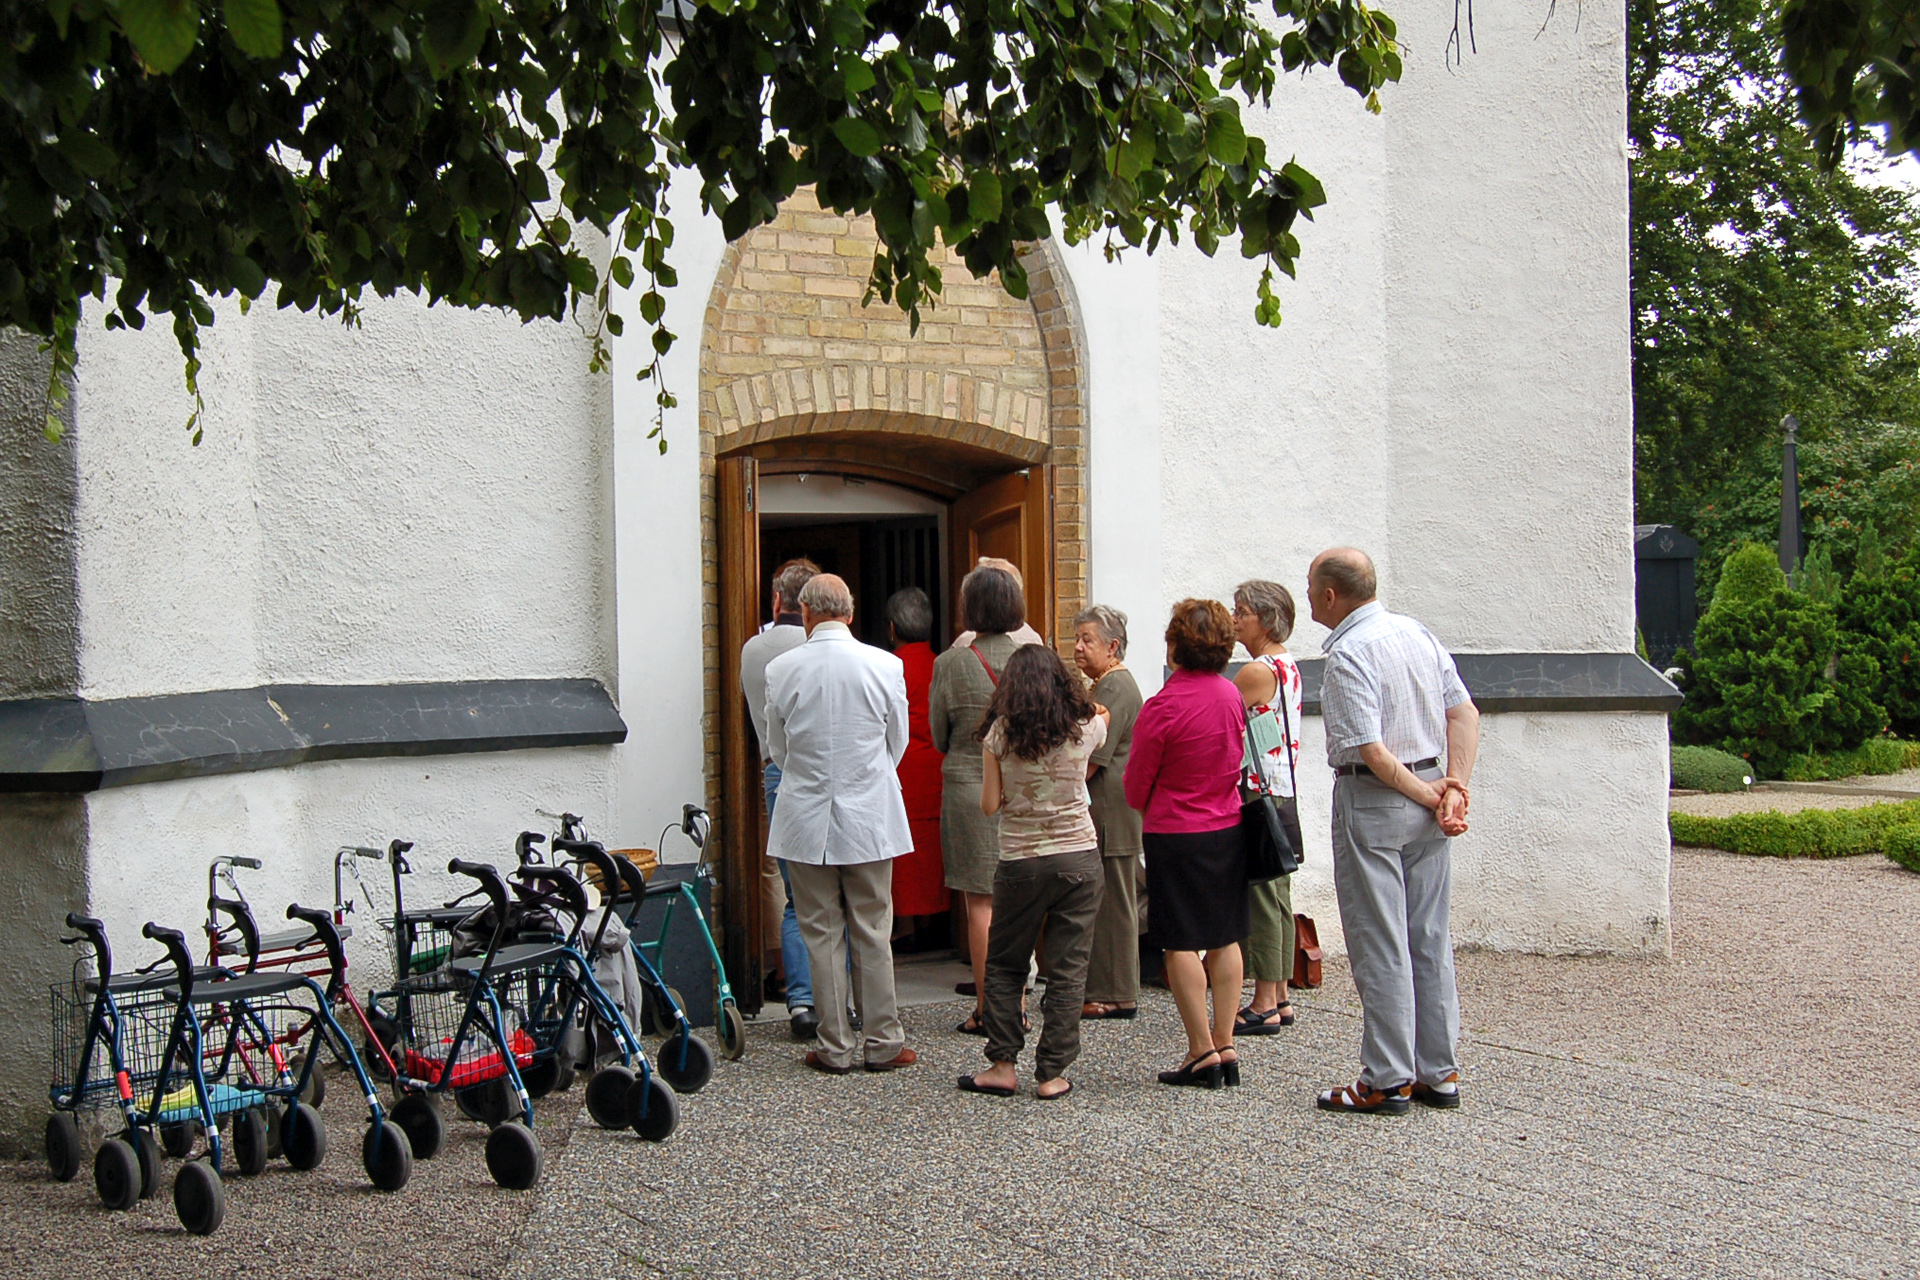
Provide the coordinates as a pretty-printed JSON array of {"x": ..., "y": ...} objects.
[{"x": 797, "y": 376}]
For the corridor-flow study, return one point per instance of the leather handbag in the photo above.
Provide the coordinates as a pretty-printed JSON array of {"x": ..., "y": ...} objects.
[
  {"x": 1270, "y": 851},
  {"x": 1306, "y": 953}
]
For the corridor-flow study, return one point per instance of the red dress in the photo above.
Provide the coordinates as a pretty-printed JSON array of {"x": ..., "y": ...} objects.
[{"x": 920, "y": 878}]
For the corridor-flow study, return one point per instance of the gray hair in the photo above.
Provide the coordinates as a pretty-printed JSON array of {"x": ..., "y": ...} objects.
[
  {"x": 1271, "y": 605},
  {"x": 826, "y": 596},
  {"x": 1109, "y": 622},
  {"x": 789, "y": 578},
  {"x": 911, "y": 614},
  {"x": 1348, "y": 571}
]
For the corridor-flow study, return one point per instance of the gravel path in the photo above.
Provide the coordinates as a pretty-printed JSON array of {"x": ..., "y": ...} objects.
[{"x": 1710, "y": 805}]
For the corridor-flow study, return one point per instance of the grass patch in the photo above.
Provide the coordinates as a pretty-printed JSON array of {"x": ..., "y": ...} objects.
[
  {"x": 1810, "y": 833},
  {"x": 1708, "y": 769},
  {"x": 1877, "y": 756}
]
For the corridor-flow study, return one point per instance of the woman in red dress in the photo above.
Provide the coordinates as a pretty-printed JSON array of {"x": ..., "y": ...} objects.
[{"x": 919, "y": 878}]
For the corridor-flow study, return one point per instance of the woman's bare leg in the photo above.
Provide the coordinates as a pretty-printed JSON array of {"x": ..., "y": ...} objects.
[{"x": 1187, "y": 979}]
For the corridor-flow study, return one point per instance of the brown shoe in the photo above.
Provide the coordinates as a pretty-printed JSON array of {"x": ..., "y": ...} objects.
[
  {"x": 818, "y": 1063},
  {"x": 905, "y": 1058},
  {"x": 1363, "y": 1099},
  {"x": 1440, "y": 1098}
]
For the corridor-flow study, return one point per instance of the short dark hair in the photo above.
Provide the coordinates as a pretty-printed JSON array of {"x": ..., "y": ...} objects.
[
  {"x": 991, "y": 601},
  {"x": 1201, "y": 633},
  {"x": 787, "y": 581},
  {"x": 911, "y": 614}
]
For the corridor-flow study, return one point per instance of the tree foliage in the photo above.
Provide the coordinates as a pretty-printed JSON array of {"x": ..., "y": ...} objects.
[
  {"x": 1761, "y": 286},
  {"x": 154, "y": 153}
]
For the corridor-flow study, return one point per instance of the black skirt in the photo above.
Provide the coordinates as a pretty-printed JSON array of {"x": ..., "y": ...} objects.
[{"x": 1196, "y": 889}]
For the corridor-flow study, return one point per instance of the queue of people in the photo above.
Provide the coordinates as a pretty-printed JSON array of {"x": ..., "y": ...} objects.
[{"x": 1036, "y": 792}]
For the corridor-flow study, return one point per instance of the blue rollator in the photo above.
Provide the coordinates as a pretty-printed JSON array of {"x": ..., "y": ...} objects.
[
  {"x": 213, "y": 1022},
  {"x": 450, "y": 1030}
]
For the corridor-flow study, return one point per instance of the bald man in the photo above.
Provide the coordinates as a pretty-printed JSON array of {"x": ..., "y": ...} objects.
[{"x": 1392, "y": 702}]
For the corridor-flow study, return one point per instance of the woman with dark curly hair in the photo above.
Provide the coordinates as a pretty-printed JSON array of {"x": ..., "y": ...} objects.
[
  {"x": 1184, "y": 777},
  {"x": 1037, "y": 735}
]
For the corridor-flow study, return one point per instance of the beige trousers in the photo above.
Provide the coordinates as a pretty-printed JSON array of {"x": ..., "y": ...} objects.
[
  {"x": 1113, "y": 976},
  {"x": 838, "y": 908}
]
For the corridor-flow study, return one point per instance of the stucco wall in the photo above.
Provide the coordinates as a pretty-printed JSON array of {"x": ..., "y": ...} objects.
[
  {"x": 149, "y": 846},
  {"x": 39, "y": 623},
  {"x": 43, "y": 839},
  {"x": 427, "y": 497}
]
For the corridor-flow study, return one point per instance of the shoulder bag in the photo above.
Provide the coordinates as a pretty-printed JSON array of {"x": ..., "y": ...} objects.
[{"x": 1270, "y": 849}]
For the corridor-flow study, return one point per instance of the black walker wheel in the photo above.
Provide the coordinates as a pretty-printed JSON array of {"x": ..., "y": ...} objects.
[
  {"x": 63, "y": 1146},
  {"x": 662, "y": 1109},
  {"x": 608, "y": 1099},
  {"x": 514, "y": 1157},
  {"x": 542, "y": 1076},
  {"x": 116, "y": 1174},
  {"x": 304, "y": 1136},
  {"x": 149, "y": 1153},
  {"x": 418, "y": 1116},
  {"x": 733, "y": 1031},
  {"x": 387, "y": 1155},
  {"x": 565, "y": 1082},
  {"x": 198, "y": 1198},
  {"x": 177, "y": 1139},
  {"x": 491, "y": 1103},
  {"x": 656, "y": 1019},
  {"x": 687, "y": 1077},
  {"x": 249, "y": 1142}
]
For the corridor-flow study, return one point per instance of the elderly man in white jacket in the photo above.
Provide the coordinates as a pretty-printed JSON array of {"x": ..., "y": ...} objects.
[{"x": 837, "y": 726}]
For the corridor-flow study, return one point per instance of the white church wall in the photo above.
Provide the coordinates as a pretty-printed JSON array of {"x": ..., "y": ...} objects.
[{"x": 149, "y": 845}]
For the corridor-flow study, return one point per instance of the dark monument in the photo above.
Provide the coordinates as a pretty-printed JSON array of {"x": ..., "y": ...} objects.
[{"x": 1663, "y": 596}]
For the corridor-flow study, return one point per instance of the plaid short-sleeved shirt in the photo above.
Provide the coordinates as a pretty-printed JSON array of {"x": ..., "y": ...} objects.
[{"x": 1388, "y": 681}]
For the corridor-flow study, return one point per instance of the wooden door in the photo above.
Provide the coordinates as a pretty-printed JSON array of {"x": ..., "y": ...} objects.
[
  {"x": 1011, "y": 518},
  {"x": 740, "y": 907}
]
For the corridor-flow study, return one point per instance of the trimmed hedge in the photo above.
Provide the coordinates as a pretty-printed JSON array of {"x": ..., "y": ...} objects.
[
  {"x": 1705, "y": 769},
  {"x": 1874, "y": 756},
  {"x": 1903, "y": 846},
  {"x": 1810, "y": 833}
]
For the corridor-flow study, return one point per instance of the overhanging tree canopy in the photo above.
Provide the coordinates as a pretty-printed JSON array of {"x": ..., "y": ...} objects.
[{"x": 157, "y": 152}]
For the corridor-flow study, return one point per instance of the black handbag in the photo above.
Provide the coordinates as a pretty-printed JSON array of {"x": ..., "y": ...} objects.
[{"x": 1270, "y": 849}]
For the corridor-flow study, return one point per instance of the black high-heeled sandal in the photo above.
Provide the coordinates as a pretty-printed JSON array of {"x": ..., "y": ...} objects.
[
  {"x": 1192, "y": 1073},
  {"x": 1230, "y": 1071}
]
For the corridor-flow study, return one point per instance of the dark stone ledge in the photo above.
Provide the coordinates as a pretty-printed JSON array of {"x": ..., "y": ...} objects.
[
  {"x": 1510, "y": 682},
  {"x": 76, "y": 745}
]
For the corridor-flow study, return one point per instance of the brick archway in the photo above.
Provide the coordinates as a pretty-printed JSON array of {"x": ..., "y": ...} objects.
[{"x": 792, "y": 366}]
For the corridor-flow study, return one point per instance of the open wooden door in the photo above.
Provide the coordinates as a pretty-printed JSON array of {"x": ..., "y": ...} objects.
[
  {"x": 741, "y": 901},
  {"x": 1011, "y": 518}
]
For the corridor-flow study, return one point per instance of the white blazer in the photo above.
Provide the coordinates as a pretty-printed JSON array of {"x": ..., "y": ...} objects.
[{"x": 837, "y": 727}]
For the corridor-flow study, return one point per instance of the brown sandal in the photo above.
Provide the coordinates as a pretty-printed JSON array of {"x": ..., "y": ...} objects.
[{"x": 1361, "y": 1098}]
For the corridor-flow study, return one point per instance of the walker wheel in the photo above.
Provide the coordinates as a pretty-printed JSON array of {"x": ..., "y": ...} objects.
[
  {"x": 695, "y": 1071},
  {"x": 419, "y": 1118},
  {"x": 249, "y": 1142},
  {"x": 662, "y": 1109},
  {"x": 316, "y": 1091},
  {"x": 304, "y": 1135},
  {"x": 491, "y": 1103},
  {"x": 656, "y": 1017},
  {"x": 513, "y": 1156},
  {"x": 149, "y": 1153},
  {"x": 608, "y": 1099},
  {"x": 387, "y": 1155},
  {"x": 199, "y": 1198},
  {"x": 565, "y": 1082},
  {"x": 177, "y": 1139},
  {"x": 542, "y": 1077},
  {"x": 63, "y": 1146},
  {"x": 733, "y": 1031},
  {"x": 116, "y": 1174}
]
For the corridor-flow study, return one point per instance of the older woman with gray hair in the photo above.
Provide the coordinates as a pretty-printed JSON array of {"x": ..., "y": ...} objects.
[
  {"x": 1113, "y": 974},
  {"x": 1269, "y": 685}
]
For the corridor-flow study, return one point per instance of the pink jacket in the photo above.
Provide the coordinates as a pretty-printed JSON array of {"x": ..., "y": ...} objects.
[{"x": 1184, "y": 772}]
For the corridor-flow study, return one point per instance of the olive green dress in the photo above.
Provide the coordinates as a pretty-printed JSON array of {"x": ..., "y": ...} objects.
[
  {"x": 1113, "y": 972},
  {"x": 969, "y": 839}
]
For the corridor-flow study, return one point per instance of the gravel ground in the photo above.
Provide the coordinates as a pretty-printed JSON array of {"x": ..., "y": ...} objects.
[{"x": 1710, "y": 805}]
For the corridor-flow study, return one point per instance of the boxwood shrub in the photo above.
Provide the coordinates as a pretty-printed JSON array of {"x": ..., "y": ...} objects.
[
  {"x": 1705, "y": 769},
  {"x": 1810, "y": 833},
  {"x": 1903, "y": 846}
]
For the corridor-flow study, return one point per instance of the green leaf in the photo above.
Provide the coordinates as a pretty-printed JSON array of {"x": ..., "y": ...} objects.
[
  {"x": 621, "y": 269},
  {"x": 857, "y": 136},
  {"x": 163, "y": 32},
  {"x": 1086, "y": 65},
  {"x": 246, "y": 275},
  {"x": 255, "y": 26},
  {"x": 983, "y": 197},
  {"x": 88, "y": 154},
  {"x": 1312, "y": 194},
  {"x": 859, "y": 77},
  {"x": 453, "y": 35},
  {"x": 1226, "y": 139}
]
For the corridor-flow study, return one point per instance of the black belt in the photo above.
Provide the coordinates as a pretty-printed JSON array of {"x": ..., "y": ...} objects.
[{"x": 1355, "y": 770}]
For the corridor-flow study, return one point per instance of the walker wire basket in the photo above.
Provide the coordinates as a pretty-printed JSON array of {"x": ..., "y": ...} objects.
[{"x": 431, "y": 1009}]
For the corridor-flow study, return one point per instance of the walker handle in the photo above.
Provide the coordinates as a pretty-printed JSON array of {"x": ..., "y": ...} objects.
[{"x": 490, "y": 882}]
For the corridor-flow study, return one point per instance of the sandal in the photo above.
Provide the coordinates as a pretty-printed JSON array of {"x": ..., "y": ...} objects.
[
  {"x": 1263, "y": 1022},
  {"x": 1230, "y": 1068},
  {"x": 974, "y": 1026},
  {"x": 1095, "y": 1009},
  {"x": 1054, "y": 1097},
  {"x": 1361, "y": 1098},
  {"x": 1191, "y": 1072},
  {"x": 968, "y": 1084}
]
